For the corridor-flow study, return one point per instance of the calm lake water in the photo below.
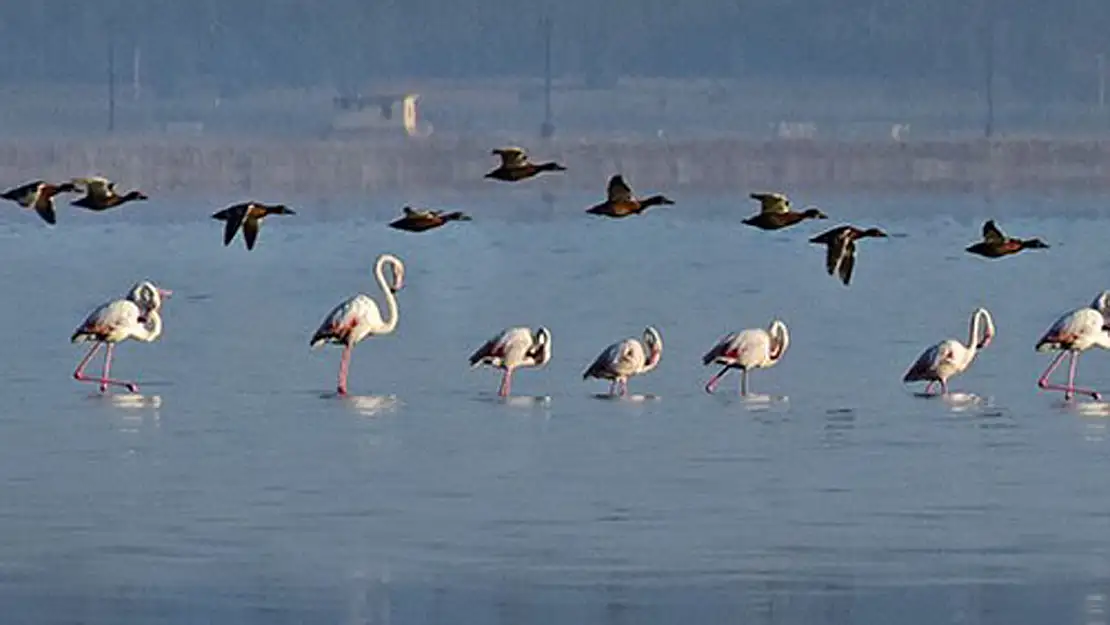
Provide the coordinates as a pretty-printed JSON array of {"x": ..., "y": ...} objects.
[{"x": 234, "y": 490}]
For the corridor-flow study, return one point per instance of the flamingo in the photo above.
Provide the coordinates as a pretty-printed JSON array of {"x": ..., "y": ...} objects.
[
  {"x": 1075, "y": 332},
  {"x": 511, "y": 349},
  {"x": 625, "y": 359},
  {"x": 359, "y": 317},
  {"x": 134, "y": 317},
  {"x": 950, "y": 357},
  {"x": 751, "y": 349}
]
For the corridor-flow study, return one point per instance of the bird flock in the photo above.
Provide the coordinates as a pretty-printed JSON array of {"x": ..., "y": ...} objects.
[{"x": 137, "y": 315}]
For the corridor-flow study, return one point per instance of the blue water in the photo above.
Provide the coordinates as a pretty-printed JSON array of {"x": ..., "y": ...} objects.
[{"x": 235, "y": 489}]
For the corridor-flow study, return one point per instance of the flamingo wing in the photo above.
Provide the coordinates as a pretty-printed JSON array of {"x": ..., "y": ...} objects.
[
  {"x": 106, "y": 321},
  {"x": 926, "y": 365},
  {"x": 1070, "y": 328},
  {"x": 337, "y": 326},
  {"x": 719, "y": 351}
]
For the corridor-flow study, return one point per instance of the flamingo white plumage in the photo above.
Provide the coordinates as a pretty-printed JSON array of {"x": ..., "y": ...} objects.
[
  {"x": 512, "y": 349},
  {"x": 950, "y": 357},
  {"x": 359, "y": 317},
  {"x": 751, "y": 349},
  {"x": 134, "y": 317},
  {"x": 1075, "y": 332},
  {"x": 625, "y": 359}
]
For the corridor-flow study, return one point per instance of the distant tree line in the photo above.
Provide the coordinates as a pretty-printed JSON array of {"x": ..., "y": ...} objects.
[{"x": 1042, "y": 49}]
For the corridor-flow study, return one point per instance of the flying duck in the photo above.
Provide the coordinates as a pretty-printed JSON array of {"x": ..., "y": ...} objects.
[
  {"x": 775, "y": 212},
  {"x": 39, "y": 195},
  {"x": 515, "y": 165},
  {"x": 100, "y": 194},
  {"x": 622, "y": 203},
  {"x": 995, "y": 244},
  {"x": 249, "y": 215},
  {"x": 414, "y": 220},
  {"x": 841, "y": 242}
]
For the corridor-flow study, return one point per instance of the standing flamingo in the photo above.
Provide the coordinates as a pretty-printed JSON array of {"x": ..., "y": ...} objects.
[
  {"x": 950, "y": 357},
  {"x": 135, "y": 317},
  {"x": 750, "y": 349},
  {"x": 512, "y": 349},
  {"x": 625, "y": 359},
  {"x": 359, "y": 316},
  {"x": 1075, "y": 332}
]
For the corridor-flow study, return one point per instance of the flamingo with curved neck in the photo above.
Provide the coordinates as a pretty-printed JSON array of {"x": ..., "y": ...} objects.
[
  {"x": 624, "y": 359},
  {"x": 359, "y": 316},
  {"x": 949, "y": 358},
  {"x": 511, "y": 349},
  {"x": 135, "y": 317},
  {"x": 751, "y": 349}
]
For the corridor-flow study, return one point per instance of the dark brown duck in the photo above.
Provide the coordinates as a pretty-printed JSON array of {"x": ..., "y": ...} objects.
[
  {"x": 39, "y": 196},
  {"x": 775, "y": 212},
  {"x": 248, "y": 216},
  {"x": 841, "y": 254},
  {"x": 100, "y": 194},
  {"x": 995, "y": 244},
  {"x": 621, "y": 202},
  {"x": 515, "y": 165},
  {"x": 413, "y": 220}
]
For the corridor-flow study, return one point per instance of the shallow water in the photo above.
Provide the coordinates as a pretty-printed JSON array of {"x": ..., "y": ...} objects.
[{"x": 237, "y": 489}]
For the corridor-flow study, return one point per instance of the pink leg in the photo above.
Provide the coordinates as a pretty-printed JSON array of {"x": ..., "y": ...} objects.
[
  {"x": 929, "y": 387},
  {"x": 344, "y": 364},
  {"x": 1070, "y": 387},
  {"x": 613, "y": 388},
  {"x": 623, "y": 387},
  {"x": 1071, "y": 380},
  {"x": 79, "y": 372},
  {"x": 711, "y": 385},
  {"x": 944, "y": 387},
  {"x": 104, "y": 380},
  {"x": 506, "y": 383}
]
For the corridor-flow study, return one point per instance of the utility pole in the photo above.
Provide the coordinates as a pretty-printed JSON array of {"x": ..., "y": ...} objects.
[
  {"x": 1100, "y": 60},
  {"x": 547, "y": 130},
  {"x": 988, "y": 62},
  {"x": 111, "y": 84}
]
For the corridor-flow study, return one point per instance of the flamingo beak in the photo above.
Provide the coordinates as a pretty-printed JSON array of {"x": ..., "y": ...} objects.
[{"x": 165, "y": 293}]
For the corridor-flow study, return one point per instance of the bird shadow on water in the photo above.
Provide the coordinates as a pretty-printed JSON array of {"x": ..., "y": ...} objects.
[{"x": 958, "y": 401}]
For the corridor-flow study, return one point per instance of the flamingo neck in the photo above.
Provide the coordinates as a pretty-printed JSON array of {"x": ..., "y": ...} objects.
[
  {"x": 390, "y": 300},
  {"x": 150, "y": 329}
]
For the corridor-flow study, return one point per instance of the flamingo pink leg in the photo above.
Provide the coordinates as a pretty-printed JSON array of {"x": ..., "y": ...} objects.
[
  {"x": 104, "y": 380},
  {"x": 929, "y": 387},
  {"x": 743, "y": 382},
  {"x": 711, "y": 385},
  {"x": 1070, "y": 388},
  {"x": 624, "y": 387},
  {"x": 344, "y": 364},
  {"x": 79, "y": 372},
  {"x": 506, "y": 383},
  {"x": 613, "y": 388}
]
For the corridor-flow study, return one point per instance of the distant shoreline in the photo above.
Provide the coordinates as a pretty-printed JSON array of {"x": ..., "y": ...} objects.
[{"x": 351, "y": 166}]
